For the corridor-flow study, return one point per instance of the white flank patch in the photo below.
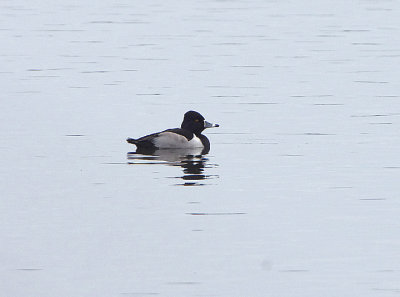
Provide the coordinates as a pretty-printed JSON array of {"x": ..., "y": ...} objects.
[{"x": 173, "y": 140}]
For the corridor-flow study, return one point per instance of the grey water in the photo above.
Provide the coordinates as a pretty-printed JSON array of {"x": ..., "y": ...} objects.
[{"x": 298, "y": 196}]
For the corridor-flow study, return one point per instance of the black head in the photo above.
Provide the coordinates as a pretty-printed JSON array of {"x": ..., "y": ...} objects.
[{"x": 195, "y": 122}]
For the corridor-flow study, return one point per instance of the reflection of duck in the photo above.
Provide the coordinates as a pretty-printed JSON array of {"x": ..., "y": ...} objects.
[
  {"x": 187, "y": 137},
  {"x": 192, "y": 161}
]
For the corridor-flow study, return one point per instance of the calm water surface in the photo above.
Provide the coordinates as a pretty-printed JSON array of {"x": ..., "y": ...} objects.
[{"x": 299, "y": 195}]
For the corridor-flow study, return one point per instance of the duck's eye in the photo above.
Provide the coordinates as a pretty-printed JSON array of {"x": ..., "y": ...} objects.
[{"x": 197, "y": 120}]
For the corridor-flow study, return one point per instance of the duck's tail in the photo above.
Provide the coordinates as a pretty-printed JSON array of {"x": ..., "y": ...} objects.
[{"x": 131, "y": 140}]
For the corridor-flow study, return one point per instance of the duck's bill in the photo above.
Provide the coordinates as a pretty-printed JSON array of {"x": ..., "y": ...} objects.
[{"x": 210, "y": 125}]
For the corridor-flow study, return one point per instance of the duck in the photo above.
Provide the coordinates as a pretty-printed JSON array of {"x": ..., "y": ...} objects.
[{"x": 188, "y": 136}]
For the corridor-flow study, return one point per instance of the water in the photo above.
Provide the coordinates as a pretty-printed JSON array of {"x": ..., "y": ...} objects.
[{"x": 299, "y": 195}]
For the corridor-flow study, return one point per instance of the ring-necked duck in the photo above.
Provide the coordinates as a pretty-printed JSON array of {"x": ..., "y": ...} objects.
[{"x": 188, "y": 136}]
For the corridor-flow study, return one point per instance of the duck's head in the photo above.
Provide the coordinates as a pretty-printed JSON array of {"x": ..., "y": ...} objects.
[{"x": 195, "y": 122}]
